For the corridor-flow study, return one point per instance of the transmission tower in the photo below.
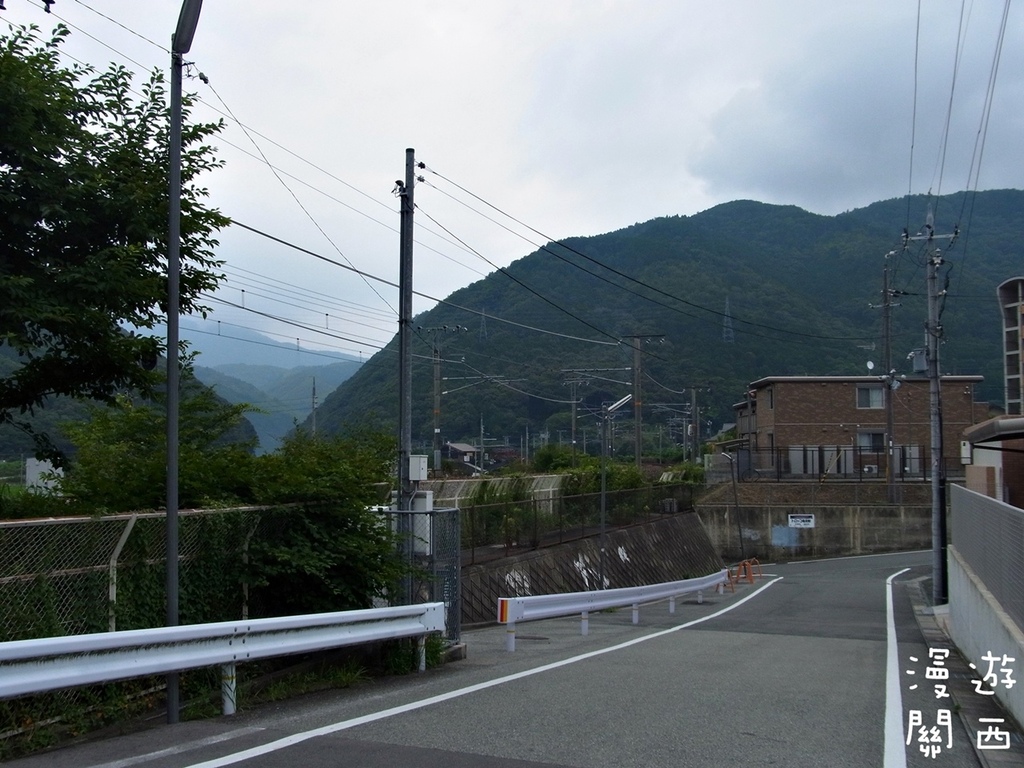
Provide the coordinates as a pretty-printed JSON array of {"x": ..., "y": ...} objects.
[{"x": 728, "y": 336}]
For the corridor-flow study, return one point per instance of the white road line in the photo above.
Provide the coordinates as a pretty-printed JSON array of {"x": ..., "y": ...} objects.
[
  {"x": 297, "y": 738},
  {"x": 128, "y": 761},
  {"x": 895, "y": 747},
  {"x": 858, "y": 557}
]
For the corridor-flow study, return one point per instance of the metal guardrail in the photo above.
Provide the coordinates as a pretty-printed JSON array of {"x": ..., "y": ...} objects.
[
  {"x": 52, "y": 663},
  {"x": 533, "y": 607}
]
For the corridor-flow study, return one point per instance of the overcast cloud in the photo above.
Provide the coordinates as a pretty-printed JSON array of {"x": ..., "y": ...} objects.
[{"x": 577, "y": 117}]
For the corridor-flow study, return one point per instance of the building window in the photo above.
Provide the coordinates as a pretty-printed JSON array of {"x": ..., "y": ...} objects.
[
  {"x": 871, "y": 442},
  {"x": 869, "y": 396}
]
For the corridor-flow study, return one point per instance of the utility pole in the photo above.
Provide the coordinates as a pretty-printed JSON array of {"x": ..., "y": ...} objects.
[
  {"x": 435, "y": 348},
  {"x": 313, "y": 413},
  {"x": 888, "y": 379},
  {"x": 933, "y": 332},
  {"x": 890, "y": 384},
  {"x": 573, "y": 384},
  {"x": 638, "y": 435},
  {"x": 695, "y": 420},
  {"x": 405, "y": 489}
]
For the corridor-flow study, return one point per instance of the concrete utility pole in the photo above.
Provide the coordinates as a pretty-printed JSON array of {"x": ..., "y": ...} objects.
[
  {"x": 889, "y": 380},
  {"x": 695, "y": 420},
  {"x": 933, "y": 332},
  {"x": 606, "y": 413},
  {"x": 405, "y": 196},
  {"x": 573, "y": 384},
  {"x": 313, "y": 412},
  {"x": 435, "y": 347},
  {"x": 638, "y": 435},
  {"x": 405, "y": 490}
]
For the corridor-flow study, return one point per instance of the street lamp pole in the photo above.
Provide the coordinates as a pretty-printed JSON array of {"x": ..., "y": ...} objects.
[
  {"x": 605, "y": 414},
  {"x": 181, "y": 42}
]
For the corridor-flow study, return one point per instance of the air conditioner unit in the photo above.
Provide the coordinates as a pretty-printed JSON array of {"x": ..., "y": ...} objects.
[{"x": 869, "y": 469}]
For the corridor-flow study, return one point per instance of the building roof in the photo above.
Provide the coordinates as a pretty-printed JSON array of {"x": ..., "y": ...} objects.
[
  {"x": 763, "y": 382},
  {"x": 996, "y": 430},
  {"x": 464, "y": 447}
]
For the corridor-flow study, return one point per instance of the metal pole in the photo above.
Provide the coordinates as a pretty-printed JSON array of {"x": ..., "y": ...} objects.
[{"x": 181, "y": 42}]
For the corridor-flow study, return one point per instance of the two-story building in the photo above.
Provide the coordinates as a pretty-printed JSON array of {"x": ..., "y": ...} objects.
[{"x": 797, "y": 426}]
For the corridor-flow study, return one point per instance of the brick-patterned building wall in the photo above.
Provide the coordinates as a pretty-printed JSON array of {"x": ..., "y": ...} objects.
[{"x": 784, "y": 411}]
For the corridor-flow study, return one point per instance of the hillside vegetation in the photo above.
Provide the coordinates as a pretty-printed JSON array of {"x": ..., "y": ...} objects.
[{"x": 799, "y": 287}]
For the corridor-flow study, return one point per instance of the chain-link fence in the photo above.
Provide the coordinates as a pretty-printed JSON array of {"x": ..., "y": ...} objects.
[
  {"x": 429, "y": 541},
  {"x": 491, "y": 531},
  {"x": 64, "y": 576}
]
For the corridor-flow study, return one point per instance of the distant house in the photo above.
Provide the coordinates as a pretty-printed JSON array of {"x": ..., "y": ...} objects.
[
  {"x": 836, "y": 425},
  {"x": 463, "y": 452},
  {"x": 995, "y": 457}
]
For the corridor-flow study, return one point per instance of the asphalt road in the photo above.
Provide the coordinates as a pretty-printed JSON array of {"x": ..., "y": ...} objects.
[{"x": 792, "y": 671}]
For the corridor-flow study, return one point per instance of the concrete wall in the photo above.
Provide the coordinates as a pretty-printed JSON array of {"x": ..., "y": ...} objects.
[
  {"x": 768, "y": 533},
  {"x": 980, "y": 626},
  {"x": 671, "y": 549}
]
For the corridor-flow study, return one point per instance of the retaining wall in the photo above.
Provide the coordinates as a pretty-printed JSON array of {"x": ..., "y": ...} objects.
[
  {"x": 770, "y": 533},
  {"x": 670, "y": 549}
]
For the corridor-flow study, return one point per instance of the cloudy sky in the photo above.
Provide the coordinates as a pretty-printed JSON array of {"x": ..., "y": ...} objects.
[{"x": 576, "y": 117}]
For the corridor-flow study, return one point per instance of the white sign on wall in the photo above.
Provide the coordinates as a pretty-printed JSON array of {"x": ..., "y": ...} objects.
[{"x": 801, "y": 521}]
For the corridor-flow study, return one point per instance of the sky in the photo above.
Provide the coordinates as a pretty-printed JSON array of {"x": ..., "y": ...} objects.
[{"x": 574, "y": 117}]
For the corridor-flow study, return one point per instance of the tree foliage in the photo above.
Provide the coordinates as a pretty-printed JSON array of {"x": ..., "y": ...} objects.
[
  {"x": 83, "y": 228},
  {"x": 120, "y": 454}
]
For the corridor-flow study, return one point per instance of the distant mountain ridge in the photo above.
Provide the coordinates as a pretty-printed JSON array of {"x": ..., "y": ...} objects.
[
  {"x": 240, "y": 346},
  {"x": 802, "y": 292},
  {"x": 283, "y": 397}
]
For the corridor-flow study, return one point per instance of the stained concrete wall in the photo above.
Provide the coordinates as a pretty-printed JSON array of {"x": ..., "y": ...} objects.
[
  {"x": 767, "y": 532},
  {"x": 671, "y": 549},
  {"x": 753, "y": 519}
]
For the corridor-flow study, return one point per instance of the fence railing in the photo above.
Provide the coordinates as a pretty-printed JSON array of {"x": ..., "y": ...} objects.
[
  {"x": 491, "y": 531},
  {"x": 535, "y": 607},
  {"x": 824, "y": 463},
  {"x": 54, "y": 663}
]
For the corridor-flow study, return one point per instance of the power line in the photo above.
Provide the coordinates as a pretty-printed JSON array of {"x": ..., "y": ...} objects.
[
  {"x": 369, "y": 276},
  {"x": 520, "y": 283},
  {"x": 636, "y": 280}
]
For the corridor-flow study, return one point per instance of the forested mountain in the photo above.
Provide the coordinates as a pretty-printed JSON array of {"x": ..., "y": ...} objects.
[
  {"x": 799, "y": 288},
  {"x": 281, "y": 397}
]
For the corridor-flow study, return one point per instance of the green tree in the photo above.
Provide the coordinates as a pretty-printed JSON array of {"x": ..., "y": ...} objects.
[
  {"x": 83, "y": 228},
  {"x": 330, "y": 552},
  {"x": 120, "y": 454}
]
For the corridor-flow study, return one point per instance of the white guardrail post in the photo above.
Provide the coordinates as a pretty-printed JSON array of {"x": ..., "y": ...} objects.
[
  {"x": 533, "y": 607},
  {"x": 52, "y": 663}
]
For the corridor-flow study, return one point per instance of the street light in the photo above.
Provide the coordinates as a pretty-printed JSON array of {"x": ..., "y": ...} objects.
[
  {"x": 181, "y": 42},
  {"x": 606, "y": 412}
]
